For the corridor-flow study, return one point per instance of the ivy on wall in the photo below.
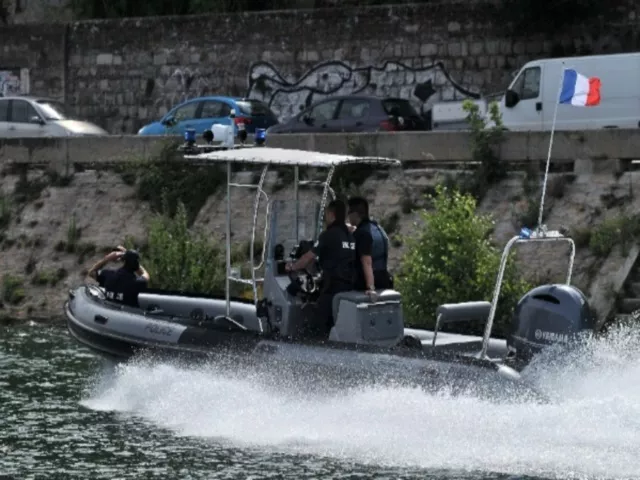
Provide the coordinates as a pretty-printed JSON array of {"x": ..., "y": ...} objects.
[
  {"x": 548, "y": 14},
  {"x": 554, "y": 16}
]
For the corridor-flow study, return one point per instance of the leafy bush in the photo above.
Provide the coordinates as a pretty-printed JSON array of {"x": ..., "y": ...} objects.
[
  {"x": 179, "y": 258},
  {"x": 49, "y": 277},
  {"x": 622, "y": 230},
  {"x": 5, "y": 212},
  {"x": 13, "y": 291},
  {"x": 451, "y": 259}
]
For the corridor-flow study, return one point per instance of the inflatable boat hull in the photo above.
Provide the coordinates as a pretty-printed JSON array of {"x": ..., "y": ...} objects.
[{"x": 122, "y": 332}]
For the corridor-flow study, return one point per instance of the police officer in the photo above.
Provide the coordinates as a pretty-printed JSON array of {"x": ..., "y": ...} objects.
[
  {"x": 372, "y": 249},
  {"x": 124, "y": 284},
  {"x": 335, "y": 249}
]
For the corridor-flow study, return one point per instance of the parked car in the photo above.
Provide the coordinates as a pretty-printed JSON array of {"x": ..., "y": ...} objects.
[
  {"x": 26, "y": 116},
  {"x": 201, "y": 113},
  {"x": 354, "y": 113}
]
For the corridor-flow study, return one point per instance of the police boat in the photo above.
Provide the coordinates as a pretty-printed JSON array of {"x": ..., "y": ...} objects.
[{"x": 368, "y": 340}]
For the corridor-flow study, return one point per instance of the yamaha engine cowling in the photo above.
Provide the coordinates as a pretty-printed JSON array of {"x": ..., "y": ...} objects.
[{"x": 547, "y": 315}]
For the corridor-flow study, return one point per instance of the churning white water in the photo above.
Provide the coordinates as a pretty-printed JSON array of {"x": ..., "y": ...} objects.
[{"x": 590, "y": 430}]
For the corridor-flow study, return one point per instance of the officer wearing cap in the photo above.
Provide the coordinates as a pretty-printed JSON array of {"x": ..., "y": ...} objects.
[
  {"x": 335, "y": 250},
  {"x": 124, "y": 284}
]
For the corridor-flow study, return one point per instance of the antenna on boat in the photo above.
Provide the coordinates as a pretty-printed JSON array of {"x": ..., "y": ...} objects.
[{"x": 538, "y": 234}]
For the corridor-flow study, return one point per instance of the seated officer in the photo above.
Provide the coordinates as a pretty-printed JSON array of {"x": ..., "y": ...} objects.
[
  {"x": 372, "y": 249},
  {"x": 124, "y": 284},
  {"x": 335, "y": 249}
]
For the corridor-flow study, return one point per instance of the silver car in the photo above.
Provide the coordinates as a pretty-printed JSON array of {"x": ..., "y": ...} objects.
[{"x": 25, "y": 116}]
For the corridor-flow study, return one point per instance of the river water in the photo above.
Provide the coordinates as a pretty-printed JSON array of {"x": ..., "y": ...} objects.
[{"x": 66, "y": 414}]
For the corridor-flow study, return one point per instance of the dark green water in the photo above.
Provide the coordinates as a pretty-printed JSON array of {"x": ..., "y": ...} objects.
[{"x": 65, "y": 414}]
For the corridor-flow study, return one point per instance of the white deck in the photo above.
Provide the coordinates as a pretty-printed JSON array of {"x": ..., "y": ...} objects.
[{"x": 289, "y": 157}]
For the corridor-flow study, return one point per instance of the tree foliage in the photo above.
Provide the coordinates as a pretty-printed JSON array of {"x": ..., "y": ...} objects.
[
  {"x": 451, "y": 259},
  {"x": 89, "y": 9},
  {"x": 550, "y": 16},
  {"x": 524, "y": 16}
]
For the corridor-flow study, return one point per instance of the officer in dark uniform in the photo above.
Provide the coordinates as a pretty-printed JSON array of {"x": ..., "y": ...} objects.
[
  {"x": 372, "y": 249},
  {"x": 335, "y": 249},
  {"x": 124, "y": 284}
]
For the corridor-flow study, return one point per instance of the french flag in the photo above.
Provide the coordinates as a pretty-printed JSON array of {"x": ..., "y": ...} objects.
[{"x": 579, "y": 90}]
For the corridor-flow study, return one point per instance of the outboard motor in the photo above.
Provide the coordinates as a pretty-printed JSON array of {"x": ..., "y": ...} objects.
[{"x": 547, "y": 315}]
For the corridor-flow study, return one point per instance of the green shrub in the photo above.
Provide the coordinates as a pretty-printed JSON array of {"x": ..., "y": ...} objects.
[
  {"x": 622, "y": 230},
  {"x": 73, "y": 234},
  {"x": 48, "y": 277},
  {"x": 5, "y": 212},
  {"x": 486, "y": 137},
  {"x": 451, "y": 259},
  {"x": 13, "y": 291},
  {"x": 180, "y": 259}
]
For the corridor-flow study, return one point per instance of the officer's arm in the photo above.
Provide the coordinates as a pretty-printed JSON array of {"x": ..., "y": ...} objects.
[
  {"x": 312, "y": 254},
  {"x": 110, "y": 257},
  {"x": 303, "y": 261},
  {"x": 365, "y": 247},
  {"x": 367, "y": 268}
]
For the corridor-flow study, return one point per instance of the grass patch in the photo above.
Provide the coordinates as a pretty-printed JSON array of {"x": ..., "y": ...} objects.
[
  {"x": 49, "y": 277},
  {"x": 623, "y": 230},
  {"x": 581, "y": 236},
  {"x": 73, "y": 237},
  {"x": 13, "y": 292},
  {"x": 5, "y": 212}
]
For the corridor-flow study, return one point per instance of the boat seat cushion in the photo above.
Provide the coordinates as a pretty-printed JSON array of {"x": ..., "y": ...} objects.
[
  {"x": 357, "y": 296},
  {"x": 358, "y": 320}
]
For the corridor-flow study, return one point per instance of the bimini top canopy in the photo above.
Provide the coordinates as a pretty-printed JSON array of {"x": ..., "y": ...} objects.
[{"x": 285, "y": 156}]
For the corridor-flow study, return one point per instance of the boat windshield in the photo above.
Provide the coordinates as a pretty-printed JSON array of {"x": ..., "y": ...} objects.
[{"x": 283, "y": 225}]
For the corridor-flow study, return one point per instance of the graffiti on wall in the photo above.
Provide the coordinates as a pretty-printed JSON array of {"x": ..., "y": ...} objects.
[
  {"x": 287, "y": 96},
  {"x": 9, "y": 82}
]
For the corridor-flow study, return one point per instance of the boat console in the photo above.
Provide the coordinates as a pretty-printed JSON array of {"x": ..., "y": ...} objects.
[{"x": 291, "y": 297}]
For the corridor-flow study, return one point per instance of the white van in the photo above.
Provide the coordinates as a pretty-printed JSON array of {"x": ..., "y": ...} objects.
[{"x": 530, "y": 100}]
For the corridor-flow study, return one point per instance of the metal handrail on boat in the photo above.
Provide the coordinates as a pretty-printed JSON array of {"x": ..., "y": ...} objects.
[{"x": 540, "y": 235}]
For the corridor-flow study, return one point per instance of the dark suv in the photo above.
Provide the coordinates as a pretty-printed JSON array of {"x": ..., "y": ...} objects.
[{"x": 354, "y": 113}]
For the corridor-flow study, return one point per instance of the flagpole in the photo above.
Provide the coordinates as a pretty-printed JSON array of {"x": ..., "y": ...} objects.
[{"x": 553, "y": 128}]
